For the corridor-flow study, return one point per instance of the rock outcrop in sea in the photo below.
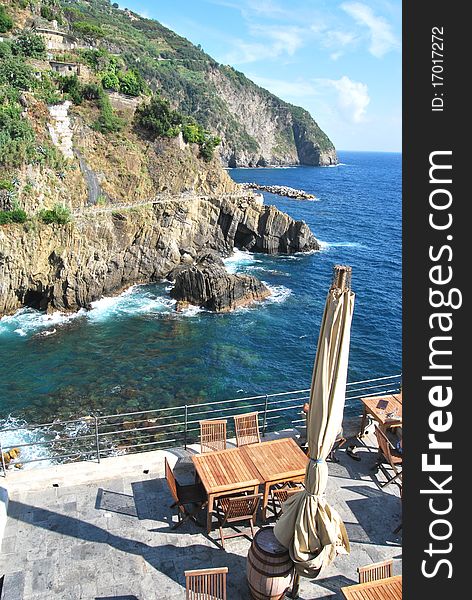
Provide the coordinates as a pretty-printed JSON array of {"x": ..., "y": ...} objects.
[
  {"x": 280, "y": 190},
  {"x": 207, "y": 284},
  {"x": 66, "y": 267}
]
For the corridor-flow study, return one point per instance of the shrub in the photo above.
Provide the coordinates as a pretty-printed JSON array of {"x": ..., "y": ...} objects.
[
  {"x": 131, "y": 83},
  {"x": 110, "y": 81},
  {"x": 91, "y": 91},
  {"x": 88, "y": 29},
  {"x": 6, "y": 22},
  {"x": 5, "y": 184},
  {"x": 47, "y": 91},
  {"x": 5, "y": 49},
  {"x": 107, "y": 122},
  {"x": 17, "y": 215},
  {"x": 72, "y": 87},
  {"x": 15, "y": 73},
  {"x": 193, "y": 133},
  {"x": 16, "y": 136},
  {"x": 29, "y": 45},
  {"x": 59, "y": 214},
  {"x": 47, "y": 12},
  {"x": 208, "y": 147},
  {"x": 158, "y": 118}
]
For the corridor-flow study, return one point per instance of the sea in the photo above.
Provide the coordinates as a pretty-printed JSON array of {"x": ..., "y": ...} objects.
[{"x": 135, "y": 352}]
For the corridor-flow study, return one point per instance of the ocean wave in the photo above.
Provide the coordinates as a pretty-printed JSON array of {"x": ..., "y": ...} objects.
[
  {"x": 270, "y": 271},
  {"x": 239, "y": 258},
  {"x": 27, "y": 321},
  {"x": 23, "y": 435},
  {"x": 134, "y": 300},
  {"x": 335, "y": 166},
  {"x": 279, "y": 293},
  {"x": 327, "y": 245}
]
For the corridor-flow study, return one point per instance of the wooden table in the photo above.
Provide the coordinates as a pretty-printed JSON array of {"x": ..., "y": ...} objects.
[
  {"x": 277, "y": 461},
  {"x": 381, "y": 589},
  {"x": 245, "y": 468},
  {"x": 381, "y": 406},
  {"x": 223, "y": 472}
]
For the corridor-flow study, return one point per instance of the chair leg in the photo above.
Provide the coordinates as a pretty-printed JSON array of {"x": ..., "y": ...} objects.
[{"x": 222, "y": 537}]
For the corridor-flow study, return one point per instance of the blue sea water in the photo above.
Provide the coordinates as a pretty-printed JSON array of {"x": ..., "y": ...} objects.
[{"x": 135, "y": 352}]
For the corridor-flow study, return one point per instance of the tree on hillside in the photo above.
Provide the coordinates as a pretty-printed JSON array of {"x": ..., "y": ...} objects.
[{"x": 29, "y": 45}]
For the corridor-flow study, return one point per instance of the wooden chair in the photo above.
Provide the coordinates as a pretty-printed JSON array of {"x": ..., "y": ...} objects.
[
  {"x": 388, "y": 456},
  {"x": 184, "y": 495},
  {"x": 380, "y": 570},
  {"x": 247, "y": 429},
  {"x": 235, "y": 509},
  {"x": 206, "y": 584},
  {"x": 338, "y": 442},
  {"x": 280, "y": 494},
  {"x": 212, "y": 435}
]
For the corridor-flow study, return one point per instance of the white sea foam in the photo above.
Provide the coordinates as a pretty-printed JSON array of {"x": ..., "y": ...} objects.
[
  {"x": 279, "y": 293},
  {"x": 28, "y": 320},
  {"x": 239, "y": 258},
  {"x": 132, "y": 301},
  {"x": 335, "y": 166},
  {"x": 23, "y": 435},
  {"x": 327, "y": 245}
]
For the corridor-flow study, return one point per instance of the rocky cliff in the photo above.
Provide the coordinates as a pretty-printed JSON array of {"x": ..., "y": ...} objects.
[
  {"x": 207, "y": 284},
  {"x": 65, "y": 267}
]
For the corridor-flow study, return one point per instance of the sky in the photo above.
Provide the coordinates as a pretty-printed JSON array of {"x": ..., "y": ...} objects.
[{"x": 341, "y": 60}]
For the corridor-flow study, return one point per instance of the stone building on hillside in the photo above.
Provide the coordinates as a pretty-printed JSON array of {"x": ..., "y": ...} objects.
[{"x": 56, "y": 40}]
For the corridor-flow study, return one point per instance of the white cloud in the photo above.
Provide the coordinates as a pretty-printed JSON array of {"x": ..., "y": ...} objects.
[
  {"x": 352, "y": 97},
  {"x": 275, "y": 42},
  {"x": 348, "y": 98},
  {"x": 382, "y": 38},
  {"x": 289, "y": 90}
]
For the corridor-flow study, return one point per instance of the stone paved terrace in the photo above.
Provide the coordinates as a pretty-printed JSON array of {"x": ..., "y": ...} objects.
[{"x": 102, "y": 531}]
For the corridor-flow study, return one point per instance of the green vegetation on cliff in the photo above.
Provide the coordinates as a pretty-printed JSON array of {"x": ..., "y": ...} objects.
[{"x": 133, "y": 55}]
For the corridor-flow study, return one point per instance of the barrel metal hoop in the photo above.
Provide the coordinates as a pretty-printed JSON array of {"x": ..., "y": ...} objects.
[{"x": 283, "y": 574}]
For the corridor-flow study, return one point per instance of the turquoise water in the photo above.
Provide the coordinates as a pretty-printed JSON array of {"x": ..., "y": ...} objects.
[{"x": 134, "y": 352}]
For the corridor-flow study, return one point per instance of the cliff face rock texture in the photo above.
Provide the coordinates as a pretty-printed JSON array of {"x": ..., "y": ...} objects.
[
  {"x": 207, "y": 284},
  {"x": 65, "y": 267},
  {"x": 266, "y": 130}
]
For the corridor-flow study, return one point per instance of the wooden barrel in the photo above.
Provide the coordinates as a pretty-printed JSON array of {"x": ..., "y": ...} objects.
[{"x": 269, "y": 567}]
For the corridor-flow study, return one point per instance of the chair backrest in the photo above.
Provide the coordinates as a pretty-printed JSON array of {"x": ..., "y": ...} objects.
[
  {"x": 375, "y": 571},
  {"x": 285, "y": 492},
  {"x": 206, "y": 584},
  {"x": 212, "y": 435},
  {"x": 171, "y": 481},
  {"x": 247, "y": 429},
  {"x": 240, "y": 507},
  {"x": 385, "y": 446}
]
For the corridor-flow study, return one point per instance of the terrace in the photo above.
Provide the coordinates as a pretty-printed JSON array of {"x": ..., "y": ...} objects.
[{"x": 102, "y": 529}]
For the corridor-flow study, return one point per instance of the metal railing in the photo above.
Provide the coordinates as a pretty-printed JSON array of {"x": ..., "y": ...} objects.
[{"x": 94, "y": 437}]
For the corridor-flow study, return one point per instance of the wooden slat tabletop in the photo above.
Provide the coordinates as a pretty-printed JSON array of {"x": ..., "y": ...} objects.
[
  {"x": 381, "y": 589},
  {"x": 225, "y": 470},
  {"x": 277, "y": 459},
  {"x": 380, "y": 406}
]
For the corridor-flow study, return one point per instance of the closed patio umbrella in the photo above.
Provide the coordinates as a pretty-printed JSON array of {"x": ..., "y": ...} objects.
[{"x": 309, "y": 527}]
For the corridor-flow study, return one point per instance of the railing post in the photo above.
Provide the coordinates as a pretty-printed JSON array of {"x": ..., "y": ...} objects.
[
  {"x": 265, "y": 416},
  {"x": 97, "y": 440},
  {"x": 3, "y": 460},
  {"x": 185, "y": 430}
]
